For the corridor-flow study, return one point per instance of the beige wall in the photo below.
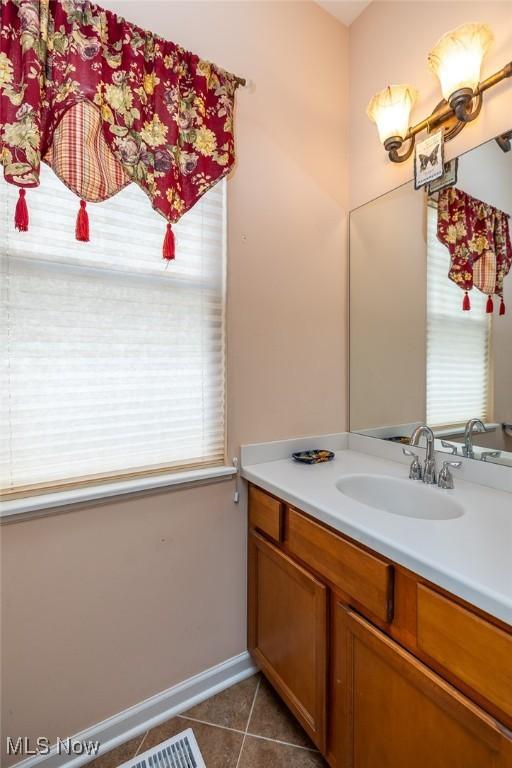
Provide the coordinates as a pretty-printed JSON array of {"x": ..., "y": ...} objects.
[
  {"x": 107, "y": 605},
  {"x": 387, "y": 310}
]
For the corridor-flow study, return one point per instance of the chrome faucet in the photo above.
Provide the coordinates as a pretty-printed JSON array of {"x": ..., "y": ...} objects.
[
  {"x": 445, "y": 476},
  {"x": 415, "y": 470},
  {"x": 467, "y": 449},
  {"x": 429, "y": 467}
]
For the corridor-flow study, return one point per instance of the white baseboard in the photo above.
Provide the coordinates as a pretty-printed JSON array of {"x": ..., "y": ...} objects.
[{"x": 135, "y": 720}]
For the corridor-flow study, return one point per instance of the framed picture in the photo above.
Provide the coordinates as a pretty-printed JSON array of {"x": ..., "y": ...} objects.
[
  {"x": 429, "y": 159},
  {"x": 448, "y": 179}
]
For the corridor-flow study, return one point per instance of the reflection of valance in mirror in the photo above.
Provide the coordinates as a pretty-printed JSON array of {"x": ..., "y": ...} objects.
[
  {"x": 106, "y": 103},
  {"x": 477, "y": 236}
]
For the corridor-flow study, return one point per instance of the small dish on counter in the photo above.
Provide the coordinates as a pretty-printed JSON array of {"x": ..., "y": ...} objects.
[{"x": 317, "y": 456}]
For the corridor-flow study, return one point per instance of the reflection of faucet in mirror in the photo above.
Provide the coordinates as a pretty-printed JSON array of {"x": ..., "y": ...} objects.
[
  {"x": 490, "y": 455},
  {"x": 453, "y": 448},
  {"x": 429, "y": 468},
  {"x": 478, "y": 426}
]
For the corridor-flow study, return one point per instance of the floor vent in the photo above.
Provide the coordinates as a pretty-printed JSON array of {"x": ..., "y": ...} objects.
[{"x": 181, "y": 751}]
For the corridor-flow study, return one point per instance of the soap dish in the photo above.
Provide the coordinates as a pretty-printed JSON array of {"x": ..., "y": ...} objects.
[{"x": 313, "y": 457}]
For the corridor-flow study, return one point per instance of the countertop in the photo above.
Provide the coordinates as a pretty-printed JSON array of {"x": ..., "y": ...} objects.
[{"x": 470, "y": 556}]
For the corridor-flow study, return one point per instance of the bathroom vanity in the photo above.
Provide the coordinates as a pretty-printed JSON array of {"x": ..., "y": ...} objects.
[
  {"x": 380, "y": 607},
  {"x": 388, "y": 635}
]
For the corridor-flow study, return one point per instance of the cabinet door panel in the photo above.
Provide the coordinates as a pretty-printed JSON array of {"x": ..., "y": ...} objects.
[
  {"x": 288, "y": 632},
  {"x": 469, "y": 647},
  {"x": 394, "y": 712}
]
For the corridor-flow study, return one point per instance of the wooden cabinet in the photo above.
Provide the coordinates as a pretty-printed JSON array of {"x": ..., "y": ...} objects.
[
  {"x": 265, "y": 513},
  {"x": 367, "y": 579},
  {"x": 382, "y": 668},
  {"x": 469, "y": 648},
  {"x": 288, "y": 632},
  {"x": 394, "y": 712}
]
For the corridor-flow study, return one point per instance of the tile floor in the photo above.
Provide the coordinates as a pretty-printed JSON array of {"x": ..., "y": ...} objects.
[{"x": 246, "y": 726}]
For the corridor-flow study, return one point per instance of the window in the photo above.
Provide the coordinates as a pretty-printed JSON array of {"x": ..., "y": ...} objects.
[
  {"x": 112, "y": 362},
  {"x": 457, "y": 343}
]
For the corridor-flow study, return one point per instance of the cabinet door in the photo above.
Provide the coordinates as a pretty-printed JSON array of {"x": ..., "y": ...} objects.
[
  {"x": 288, "y": 632},
  {"x": 394, "y": 712}
]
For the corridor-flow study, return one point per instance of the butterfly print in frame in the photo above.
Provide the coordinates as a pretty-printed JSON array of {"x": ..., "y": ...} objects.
[
  {"x": 426, "y": 159},
  {"x": 429, "y": 159}
]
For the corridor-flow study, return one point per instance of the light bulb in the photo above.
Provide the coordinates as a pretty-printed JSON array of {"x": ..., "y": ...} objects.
[
  {"x": 457, "y": 58},
  {"x": 390, "y": 110}
]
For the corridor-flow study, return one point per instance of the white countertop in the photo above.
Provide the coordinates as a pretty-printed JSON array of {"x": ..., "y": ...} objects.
[{"x": 470, "y": 556}]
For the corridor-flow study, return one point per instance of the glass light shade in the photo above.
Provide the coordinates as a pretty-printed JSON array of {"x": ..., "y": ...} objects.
[
  {"x": 457, "y": 57},
  {"x": 390, "y": 110}
]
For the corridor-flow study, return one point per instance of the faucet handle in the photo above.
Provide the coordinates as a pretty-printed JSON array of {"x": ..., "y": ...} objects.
[
  {"x": 490, "y": 455},
  {"x": 415, "y": 470},
  {"x": 445, "y": 480},
  {"x": 451, "y": 446}
]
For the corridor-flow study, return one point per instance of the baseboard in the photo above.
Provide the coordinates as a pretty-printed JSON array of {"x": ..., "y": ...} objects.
[{"x": 136, "y": 720}]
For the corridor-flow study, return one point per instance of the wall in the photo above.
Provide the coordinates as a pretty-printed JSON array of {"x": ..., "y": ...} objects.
[
  {"x": 108, "y": 605},
  {"x": 80, "y": 590},
  {"x": 387, "y": 311},
  {"x": 389, "y": 43}
]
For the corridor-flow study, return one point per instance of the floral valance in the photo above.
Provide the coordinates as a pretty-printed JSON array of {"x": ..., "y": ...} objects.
[
  {"x": 106, "y": 103},
  {"x": 477, "y": 236}
]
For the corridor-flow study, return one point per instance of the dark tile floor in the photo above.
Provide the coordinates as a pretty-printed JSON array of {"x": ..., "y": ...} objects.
[{"x": 246, "y": 726}]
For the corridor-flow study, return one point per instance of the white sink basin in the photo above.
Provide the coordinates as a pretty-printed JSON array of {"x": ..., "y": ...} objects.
[{"x": 400, "y": 497}]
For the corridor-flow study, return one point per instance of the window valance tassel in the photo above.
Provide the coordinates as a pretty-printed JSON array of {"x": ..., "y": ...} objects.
[
  {"x": 21, "y": 213},
  {"x": 466, "y": 304},
  {"x": 82, "y": 223},
  {"x": 489, "y": 306},
  {"x": 168, "y": 247},
  {"x": 502, "y": 306}
]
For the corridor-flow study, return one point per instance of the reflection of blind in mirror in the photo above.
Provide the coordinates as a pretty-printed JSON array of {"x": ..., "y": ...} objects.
[{"x": 457, "y": 343}]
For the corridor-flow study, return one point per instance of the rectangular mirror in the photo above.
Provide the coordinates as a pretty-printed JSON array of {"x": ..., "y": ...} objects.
[{"x": 416, "y": 356}]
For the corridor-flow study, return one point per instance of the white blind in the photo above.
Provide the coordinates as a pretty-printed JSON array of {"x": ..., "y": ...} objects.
[
  {"x": 111, "y": 362},
  {"x": 457, "y": 343}
]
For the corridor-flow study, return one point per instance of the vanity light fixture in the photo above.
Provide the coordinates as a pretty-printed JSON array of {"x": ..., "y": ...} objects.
[
  {"x": 456, "y": 59},
  {"x": 390, "y": 110}
]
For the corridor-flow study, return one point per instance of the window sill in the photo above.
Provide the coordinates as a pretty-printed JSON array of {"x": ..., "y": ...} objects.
[{"x": 10, "y": 510}]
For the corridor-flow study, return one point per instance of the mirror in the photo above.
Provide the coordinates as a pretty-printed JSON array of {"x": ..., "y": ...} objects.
[{"x": 416, "y": 356}]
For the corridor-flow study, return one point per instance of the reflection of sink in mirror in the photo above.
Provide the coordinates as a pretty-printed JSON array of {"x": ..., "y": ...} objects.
[
  {"x": 400, "y": 497},
  {"x": 419, "y": 357},
  {"x": 448, "y": 440},
  {"x": 480, "y": 452}
]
